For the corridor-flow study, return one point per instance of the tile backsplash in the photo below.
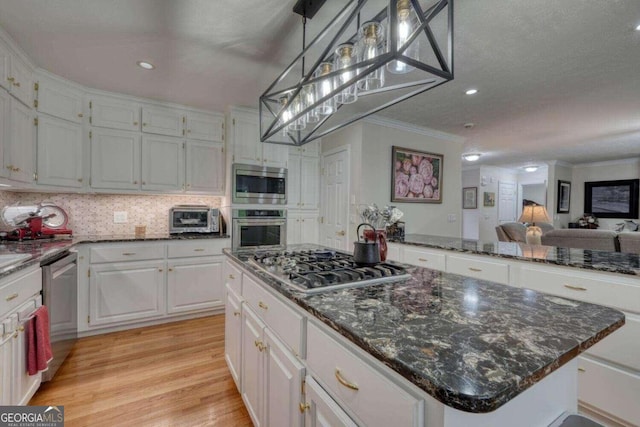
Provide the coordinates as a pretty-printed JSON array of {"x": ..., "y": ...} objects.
[{"x": 93, "y": 213}]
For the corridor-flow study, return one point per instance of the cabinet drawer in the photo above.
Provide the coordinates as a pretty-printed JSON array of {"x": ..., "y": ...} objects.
[
  {"x": 480, "y": 269},
  {"x": 622, "y": 346},
  {"x": 129, "y": 252},
  {"x": 609, "y": 389},
  {"x": 16, "y": 291},
  {"x": 278, "y": 317},
  {"x": 611, "y": 291},
  {"x": 425, "y": 258},
  {"x": 339, "y": 369},
  {"x": 201, "y": 247},
  {"x": 232, "y": 276}
]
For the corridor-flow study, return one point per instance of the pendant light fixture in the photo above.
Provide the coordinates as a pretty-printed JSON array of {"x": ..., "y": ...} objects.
[{"x": 354, "y": 68}]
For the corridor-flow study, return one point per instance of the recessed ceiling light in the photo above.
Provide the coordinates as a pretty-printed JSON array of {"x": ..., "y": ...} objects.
[
  {"x": 146, "y": 65},
  {"x": 468, "y": 125},
  {"x": 638, "y": 27},
  {"x": 531, "y": 168},
  {"x": 471, "y": 157},
  {"x": 471, "y": 91}
]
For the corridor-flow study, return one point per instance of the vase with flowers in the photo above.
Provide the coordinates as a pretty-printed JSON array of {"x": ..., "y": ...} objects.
[
  {"x": 588, "y": 221},
  {"x": 380, "y": 219}
]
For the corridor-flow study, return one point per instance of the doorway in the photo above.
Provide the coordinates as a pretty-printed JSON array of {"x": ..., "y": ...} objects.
[{"x": 334, "y": 199}]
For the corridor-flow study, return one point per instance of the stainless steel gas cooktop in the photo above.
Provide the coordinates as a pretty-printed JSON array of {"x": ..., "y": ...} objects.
[{"x": 324, "y": 270}]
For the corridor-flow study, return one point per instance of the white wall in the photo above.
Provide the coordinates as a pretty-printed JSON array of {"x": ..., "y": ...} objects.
[
  {"x": 600, "y": 171},
  {"x": 490, "y": 176},
  {"x": 471, "y": 217},
  {"x": 422, "y": 218},
  {"x": 370, "y": 173}
]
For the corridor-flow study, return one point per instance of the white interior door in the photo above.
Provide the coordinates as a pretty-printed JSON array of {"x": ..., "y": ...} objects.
[
  {"x": 335, "y": 200},
  {"x": 507, "y": 202}
]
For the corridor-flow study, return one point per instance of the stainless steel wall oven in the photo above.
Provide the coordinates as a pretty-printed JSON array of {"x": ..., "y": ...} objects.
[{"x": 259, "y": 229}]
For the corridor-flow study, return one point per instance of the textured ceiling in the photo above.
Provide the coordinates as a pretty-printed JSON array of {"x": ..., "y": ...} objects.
[{"x": 557, "y": 80}]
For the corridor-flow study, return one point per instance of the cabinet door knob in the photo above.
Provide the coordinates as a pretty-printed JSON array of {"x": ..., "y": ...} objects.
[
  {"x": 11, "y": 79},
  {"x": 17, "y": 84},
  {"x": 80, "y": 115},
  {"x": 16, "y": 170},
  {"x": 236, "y": 313},
  {"x": 143, "y": 124},
  {"x": 160, "y": 270},
  {"x": 188, "y": 130},
  {"x": 79, "y": 179},
  {"x": 304, "y": 406},
  {"x": 144, "y": 183},
  {"x": 263, "y": 305},
  {"x": 340, "y": 233},
  {"x": 135, "y": 123},
  {"x": 21, "y": 328},
  {"x": 170, "y": 269},
  {"x": 257, "y": 158},
  {"x": 231, "y": 276},
  {"x": 135, "y": 182},
  {"x": 10, "y": 167}
]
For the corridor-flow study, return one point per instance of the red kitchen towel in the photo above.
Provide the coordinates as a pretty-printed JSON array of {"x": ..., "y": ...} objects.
[{"x": 39, "y": 352}]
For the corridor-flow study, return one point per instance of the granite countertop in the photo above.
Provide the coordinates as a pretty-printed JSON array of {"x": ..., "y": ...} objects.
[
  {"x": 45, "y": 249},
  {"x": 472, "y": 344},
  {"x": 612, "y": 262}
]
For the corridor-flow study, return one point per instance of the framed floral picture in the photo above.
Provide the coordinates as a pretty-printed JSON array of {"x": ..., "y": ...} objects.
[
  {"x": 489, "y": 198},
  {"x": 416, "y": 176}
]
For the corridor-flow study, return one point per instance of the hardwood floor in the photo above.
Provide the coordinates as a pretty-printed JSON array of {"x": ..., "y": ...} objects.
[{"x": 167, "y": 375}]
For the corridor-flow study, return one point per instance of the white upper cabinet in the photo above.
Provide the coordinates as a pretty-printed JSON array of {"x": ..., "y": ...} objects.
[
  {"x": 59, "y": 152},
  {"x": 21, "y": 155},
  {"x": 59, "y": 99},
  {"x": 162, "y": 121},
  {"x": 114, "y": 113},
  {"x": 5, "y": 132},
  {"x": 204, "y": 127},
  {"x": 21, "y": 79},
  {"x": 5, "y": 61},
  {"x": 205, "y": 167},
  {"x": 162, "y": 163},
  {"x": 304, "y": 178},
  {"x": 115, "y": 159},
  {"x": 245, "y": 140}
]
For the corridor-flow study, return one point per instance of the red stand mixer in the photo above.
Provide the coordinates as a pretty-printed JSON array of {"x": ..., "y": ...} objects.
[{"x": 42, "y": 221}]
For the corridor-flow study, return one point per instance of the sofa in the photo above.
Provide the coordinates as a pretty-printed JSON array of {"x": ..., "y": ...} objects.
[
  {"x": 629, "y": 242},
  {"x": 601, "y": 240}
]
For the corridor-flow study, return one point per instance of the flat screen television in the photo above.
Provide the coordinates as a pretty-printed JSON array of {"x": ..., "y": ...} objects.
[{"x": 612, "y": 199}]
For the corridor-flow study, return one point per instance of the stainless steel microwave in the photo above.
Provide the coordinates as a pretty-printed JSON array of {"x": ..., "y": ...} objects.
[
  {"x": 194, "y": 219},
  {"x": 259, "y": 185}
]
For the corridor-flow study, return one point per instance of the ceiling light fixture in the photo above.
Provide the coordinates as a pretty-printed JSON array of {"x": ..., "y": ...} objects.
[
  {"x": 531, "y": 168},
  {"x": 146, "y": 65},
  {"x": 638, "y": 27},
  {"x": 471, "y": 157},
  {"x": 352, "y": 69},
  {"x": 471, "y": 91}
]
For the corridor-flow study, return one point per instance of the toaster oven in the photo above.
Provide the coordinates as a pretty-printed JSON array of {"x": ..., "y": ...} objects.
[{"x": 194, "y": 219}]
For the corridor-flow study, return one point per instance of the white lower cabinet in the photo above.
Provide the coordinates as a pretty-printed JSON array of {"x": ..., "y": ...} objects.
[
  {"x": 321, "y": 409},
  {"x": 271, "y": 375},
  {"x": 424, "y": 258},
  {"x": 233, "y": 333},
  {"x": 19, "y": 298},
  {"x": 194, "y": 284},
  {"x": 124, "y": 292},
  {"x": 478, "y": 268},
  {"x": 129, "y": 283}
]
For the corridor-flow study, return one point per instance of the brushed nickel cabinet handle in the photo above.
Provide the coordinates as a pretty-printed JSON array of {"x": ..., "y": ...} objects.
[
  {"x": 575, "y": 288},
  {"x": 11, "y": 297},
  {"x": 475, "y": 269},
  {"x": 344, "y": 382},
  {"x": 582, "y": 370},
  {"x": 263, "y": 305}
]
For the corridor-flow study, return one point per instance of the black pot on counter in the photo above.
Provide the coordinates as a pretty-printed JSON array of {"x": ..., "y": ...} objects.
[{"x": 366, "y": 253}]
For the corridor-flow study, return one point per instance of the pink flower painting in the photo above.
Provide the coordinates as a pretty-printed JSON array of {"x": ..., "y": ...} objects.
[{"x": 416, "y": 176}]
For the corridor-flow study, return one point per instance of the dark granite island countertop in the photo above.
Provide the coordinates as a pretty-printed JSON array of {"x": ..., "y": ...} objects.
[
  {"x": 473, "y": 345},
  {"x": 612, "y": 262}
]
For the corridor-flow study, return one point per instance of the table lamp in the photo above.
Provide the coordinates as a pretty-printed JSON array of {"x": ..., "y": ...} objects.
[{"x": 532, "y": 214}]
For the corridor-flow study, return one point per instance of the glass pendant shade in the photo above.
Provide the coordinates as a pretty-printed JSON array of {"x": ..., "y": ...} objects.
[
  {"x": 345, "y": 57},
  {"x": 324, "y": 87},
  {"x": 406, "y": 23},
  {"x": 286, "y": 114},
  {"x": 309, "y": 96},
  {"x": 296, "y": 107},
  {"x": 371, "y": 45}
]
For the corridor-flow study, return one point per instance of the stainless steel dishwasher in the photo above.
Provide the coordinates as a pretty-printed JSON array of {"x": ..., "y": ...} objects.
[{"x": 60, "y": 295}]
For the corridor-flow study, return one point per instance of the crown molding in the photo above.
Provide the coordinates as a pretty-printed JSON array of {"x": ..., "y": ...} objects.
[
  {"x": 609, "y": 162},
  {"x": 397, "y": 124}
]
